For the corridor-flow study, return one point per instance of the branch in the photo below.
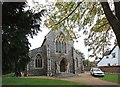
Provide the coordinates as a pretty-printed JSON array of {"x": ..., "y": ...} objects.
[
  {"x": 69, "y": 13},
  {"x": 117, "y": 9},
  {"x": 103, "y": 25},
  {"x": 93, "y": 6},
  {"x": 51, "y": 19},
  {"x": 112, "y": 19}
]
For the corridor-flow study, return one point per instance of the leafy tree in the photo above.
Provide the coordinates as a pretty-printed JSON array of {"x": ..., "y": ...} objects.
[
  {"x": 113, "y": 19},
  {"x": 97, "y": 20},
  {"x": 17, "y": 25},
  {"x": 88, "y": 63}
]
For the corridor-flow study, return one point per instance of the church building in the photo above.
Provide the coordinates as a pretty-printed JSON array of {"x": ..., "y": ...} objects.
[{"x": 56, "y": 55}]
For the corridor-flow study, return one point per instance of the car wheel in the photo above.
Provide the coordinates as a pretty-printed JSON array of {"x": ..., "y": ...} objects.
[{"x": 93, "y": 75}]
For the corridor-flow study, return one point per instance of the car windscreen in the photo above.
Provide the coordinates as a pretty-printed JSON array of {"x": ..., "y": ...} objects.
[{"x": 96, "y": 69}]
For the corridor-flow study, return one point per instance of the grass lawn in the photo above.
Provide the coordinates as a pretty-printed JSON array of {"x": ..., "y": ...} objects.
[
  {"x": 112, "y": 77},
  {"x": 35, "y": 81},
  {"x": 9, "y": 79}
]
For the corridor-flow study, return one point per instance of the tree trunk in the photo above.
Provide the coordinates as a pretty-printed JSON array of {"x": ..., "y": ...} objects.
[
  {"x": 117, "y": 9},
  {"x": 17, "y": 70},
  {"x": 113, "y": 20}
]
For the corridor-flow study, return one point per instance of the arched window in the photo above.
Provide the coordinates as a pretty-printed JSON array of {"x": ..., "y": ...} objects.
[
  {"x": 60, "y": 43},
  {"x": 38, "y": 61},
  {"x": 60, "y": 47}
]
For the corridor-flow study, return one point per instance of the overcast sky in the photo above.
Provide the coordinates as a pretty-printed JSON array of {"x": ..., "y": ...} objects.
[{"x": 38, "y": 40}]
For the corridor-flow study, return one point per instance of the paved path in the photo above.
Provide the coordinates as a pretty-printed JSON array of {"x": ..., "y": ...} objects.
[
  {"x": 84, "y": 78},
  {"x": 87, "y": 79}
]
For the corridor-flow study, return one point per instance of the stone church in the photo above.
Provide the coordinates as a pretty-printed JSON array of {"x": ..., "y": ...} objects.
[{"x": 56, "y": 55}]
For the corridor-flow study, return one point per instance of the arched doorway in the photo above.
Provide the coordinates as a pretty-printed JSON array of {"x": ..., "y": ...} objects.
[{"x": 63, "y": 65}]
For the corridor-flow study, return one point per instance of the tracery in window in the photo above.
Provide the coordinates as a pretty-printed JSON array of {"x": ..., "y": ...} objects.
[
  {"x": 38, "y": 61},
  {"x": 60, "y": 43}
]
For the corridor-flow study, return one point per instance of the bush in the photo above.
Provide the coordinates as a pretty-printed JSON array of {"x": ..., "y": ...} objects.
[{"x": 9, "y": 75}]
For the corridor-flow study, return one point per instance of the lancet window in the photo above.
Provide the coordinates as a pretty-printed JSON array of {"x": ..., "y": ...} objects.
[
  {"x": 38, "y": 61},
  {"x": 60, "y": 43}
]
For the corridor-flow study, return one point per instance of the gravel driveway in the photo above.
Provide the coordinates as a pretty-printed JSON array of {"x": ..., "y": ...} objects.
[{"x": 87, "y": 79}]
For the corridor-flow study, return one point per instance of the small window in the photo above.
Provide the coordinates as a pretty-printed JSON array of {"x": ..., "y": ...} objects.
[
  {"x": 107, "y": 57},
  {"x": 113, "y": 55},
  {"x": 108, "y": 64}
]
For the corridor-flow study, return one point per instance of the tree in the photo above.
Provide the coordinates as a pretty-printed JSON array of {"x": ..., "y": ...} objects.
[
  {"x": 88, "y": 63},
  {"x": 114, "y": 20},
  {"x": 17, "y": 25},
  {"x": 95, "y": 19}
]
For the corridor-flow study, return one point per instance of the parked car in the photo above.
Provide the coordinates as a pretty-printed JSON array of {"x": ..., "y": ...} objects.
[{"x": 96, "y": 72}]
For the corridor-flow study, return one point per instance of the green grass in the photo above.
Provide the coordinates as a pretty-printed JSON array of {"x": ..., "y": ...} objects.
[
  {"x": 10, "y": 79},
  {"x": 112, "y": 78},
  {"x": 35, "y": 81}
]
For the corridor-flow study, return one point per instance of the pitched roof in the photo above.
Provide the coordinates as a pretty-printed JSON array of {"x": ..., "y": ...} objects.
[
  {"x": 43, "y": 41},
  {"x": 107, "y": 53}
]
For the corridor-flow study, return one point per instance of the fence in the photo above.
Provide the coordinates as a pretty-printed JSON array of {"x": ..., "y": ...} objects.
[{"x": 108, "y": 69}]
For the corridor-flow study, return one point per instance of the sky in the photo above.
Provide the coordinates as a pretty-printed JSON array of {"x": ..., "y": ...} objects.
[{"x": 38, "y": 40}]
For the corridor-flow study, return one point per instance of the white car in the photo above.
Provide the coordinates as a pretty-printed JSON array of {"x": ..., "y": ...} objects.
[{"x": 96, "y": 72}]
